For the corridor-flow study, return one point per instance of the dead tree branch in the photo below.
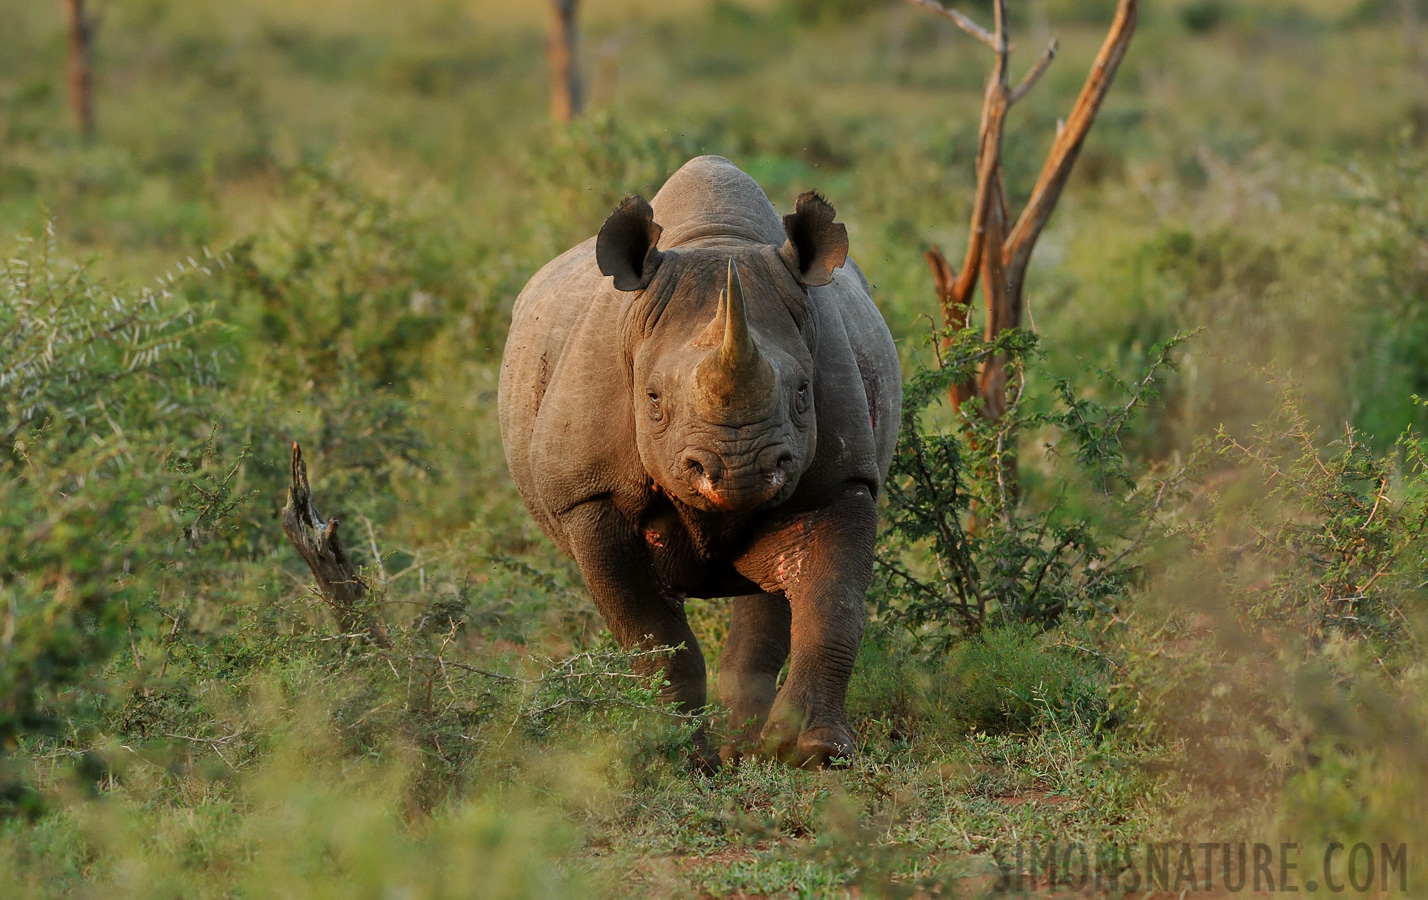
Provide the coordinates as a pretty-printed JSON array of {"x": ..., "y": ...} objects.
[
  {"x": 998, "y": 252},
  {"x": 961, "y": 21},
  {"x": 338, "y": 580},
  {"x": 1069, "y": 139},
  {"x": 1032, "y": 77}
]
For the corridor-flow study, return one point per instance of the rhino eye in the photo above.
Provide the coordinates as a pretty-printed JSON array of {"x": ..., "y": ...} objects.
[
  {"x": 656, "y": 411},
  {"x": 801, "y": 400}
]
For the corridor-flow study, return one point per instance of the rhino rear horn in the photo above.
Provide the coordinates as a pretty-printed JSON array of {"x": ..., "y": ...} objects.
[
  {"x": 816, "y": 244},
  {"x": 625, "y": 248}
]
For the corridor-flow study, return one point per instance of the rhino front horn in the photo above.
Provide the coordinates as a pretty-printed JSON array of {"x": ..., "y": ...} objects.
[{"x": 735, "y": 378}]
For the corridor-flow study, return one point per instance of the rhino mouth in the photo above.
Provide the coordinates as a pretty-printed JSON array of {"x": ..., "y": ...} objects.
[{"x": 714, "y": 486}]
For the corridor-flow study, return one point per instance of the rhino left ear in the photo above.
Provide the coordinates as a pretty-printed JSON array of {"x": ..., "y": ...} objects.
[
  {"x": 816, "y": 244},
  {"x": 625, "y": 248}
]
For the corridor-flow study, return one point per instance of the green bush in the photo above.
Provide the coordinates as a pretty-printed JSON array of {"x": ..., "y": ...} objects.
[
  {"x": 821, "y": 12},
  {"x": 95, "y": 386},
  {"x": 1274, "y": 648},
  {"x": 1200, "y": 16},
  {"x": 967, "y": 545},
  {"x": 353, "y": 281},
  {"x": 1009, "y": 679}
]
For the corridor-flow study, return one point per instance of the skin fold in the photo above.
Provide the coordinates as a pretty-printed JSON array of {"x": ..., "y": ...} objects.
[{"x": 702, "y": 401}]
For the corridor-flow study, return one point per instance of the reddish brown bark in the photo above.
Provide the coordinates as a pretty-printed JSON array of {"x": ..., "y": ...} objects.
[
  {"x": 80, "y": 72},
  {"x": 567, "y": 99}
]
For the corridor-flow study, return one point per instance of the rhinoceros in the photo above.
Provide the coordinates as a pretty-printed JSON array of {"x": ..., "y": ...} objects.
[{"x": 702, "y": 401}]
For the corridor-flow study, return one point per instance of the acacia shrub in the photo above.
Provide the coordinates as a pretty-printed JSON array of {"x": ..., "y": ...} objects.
[
  {"x": 1276, "y": 648},
  {"x": 978, "y": 534},
  {"x": 97, "y": 385}
]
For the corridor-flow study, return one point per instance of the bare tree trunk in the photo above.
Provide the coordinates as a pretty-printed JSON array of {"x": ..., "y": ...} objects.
[
  {"x": 1412, "y": 31},
  {"x": 342, "y": 586},
  {"x": 81, "y": 78},
  {"x": 566, "y": 92}
]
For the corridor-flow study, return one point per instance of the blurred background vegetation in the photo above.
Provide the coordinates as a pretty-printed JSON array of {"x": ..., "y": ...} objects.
[{"x": 303, "y": 221}]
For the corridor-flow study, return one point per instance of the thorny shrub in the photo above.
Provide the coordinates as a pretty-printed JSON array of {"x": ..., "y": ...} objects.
[
  {"x": 973, "y": 539},
  {"x": 95, "y": 384},
  {"x": 1278, "y": 645}
]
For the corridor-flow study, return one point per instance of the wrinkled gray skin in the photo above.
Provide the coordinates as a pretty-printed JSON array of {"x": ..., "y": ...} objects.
[{"x": 702, "y": 401}]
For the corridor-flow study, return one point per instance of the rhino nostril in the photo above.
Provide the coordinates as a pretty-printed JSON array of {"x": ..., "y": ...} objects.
[
  {"x": 779, "y": 473},
  {"x": 695, "y": 470}
]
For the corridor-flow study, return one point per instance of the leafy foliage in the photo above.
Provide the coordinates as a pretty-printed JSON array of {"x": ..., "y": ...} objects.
[
  {"x": 964, "y": 547},
  {"x": 352, "y": 281},
  {"x": 1277, "y": 647},
  {"x": 77, "y": 358},
  {"x": 90, "y": 375}
]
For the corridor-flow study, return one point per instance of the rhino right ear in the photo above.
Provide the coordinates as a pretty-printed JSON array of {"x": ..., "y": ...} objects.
[
  {"x": 625, "y": 248},
  {"x": 816, "y": 244}
]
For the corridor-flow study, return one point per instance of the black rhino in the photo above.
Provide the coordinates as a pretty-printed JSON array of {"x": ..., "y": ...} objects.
[{"x": 703, "y": 401}]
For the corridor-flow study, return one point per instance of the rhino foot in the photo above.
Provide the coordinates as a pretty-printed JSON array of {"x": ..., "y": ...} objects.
[
  {"x": 822, "y": 748},
  {"x": 817, "y": 747},
  {"x": 701, "y": 758},
  {"x": 705, "y": 761}
]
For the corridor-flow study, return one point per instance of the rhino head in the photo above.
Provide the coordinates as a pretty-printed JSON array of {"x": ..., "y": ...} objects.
[{"x": 719, "y": 339}]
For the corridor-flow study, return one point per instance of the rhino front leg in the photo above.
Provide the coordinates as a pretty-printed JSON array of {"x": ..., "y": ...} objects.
[
  {"x": 637, "y": 609},
  {"x": 754, "y": 654},
  {"x": 822, "y": 560}
]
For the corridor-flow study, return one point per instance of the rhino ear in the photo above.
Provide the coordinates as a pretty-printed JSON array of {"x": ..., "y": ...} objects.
[
  {"x": 816, "y": 244},
  {"x": 625, "y": 248}
]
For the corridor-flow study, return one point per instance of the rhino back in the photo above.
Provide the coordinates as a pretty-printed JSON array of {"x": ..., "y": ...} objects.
[{"x": 710, "y": 198}]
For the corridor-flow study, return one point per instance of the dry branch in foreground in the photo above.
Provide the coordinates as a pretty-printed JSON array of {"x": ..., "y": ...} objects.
[
  {"x": 998, "y": 250},
  {"x": 341, "y": 585}
]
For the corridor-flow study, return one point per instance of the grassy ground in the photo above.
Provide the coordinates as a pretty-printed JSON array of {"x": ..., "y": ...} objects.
[{"x": 377, "y": 181}]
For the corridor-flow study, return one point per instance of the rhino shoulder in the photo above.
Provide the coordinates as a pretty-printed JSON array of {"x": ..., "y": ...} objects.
[
  {"x": 582, "y": 437},
  {"x": 566, "y": 422},
  {"x": 856, "y": 352}
]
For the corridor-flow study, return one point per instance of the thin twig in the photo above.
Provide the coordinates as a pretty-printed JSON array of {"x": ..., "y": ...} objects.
[
  {"x": 1032, "y": 77},
  {"x": 376, "y": 554},
  {"x": 960, "y": 20}
]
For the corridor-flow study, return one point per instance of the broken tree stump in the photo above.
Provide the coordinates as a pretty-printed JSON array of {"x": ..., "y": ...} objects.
[{"x": 338, "y": 580}]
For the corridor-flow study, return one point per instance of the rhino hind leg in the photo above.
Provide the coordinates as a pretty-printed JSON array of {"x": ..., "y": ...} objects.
[{"x": 749, "y": 665}]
